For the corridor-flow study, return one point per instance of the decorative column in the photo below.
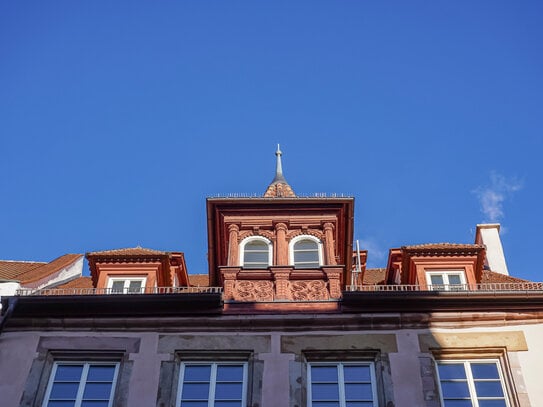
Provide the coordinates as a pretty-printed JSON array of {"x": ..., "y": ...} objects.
[
  {"x": 333, "y": 275},
  {"x": 229, "y": 277},
  {"x": 329, "y": 243},
  {"x": 281, "y": 277},
  {"x": 281, "y": 244},
  {"x": 233, "y": 246}
]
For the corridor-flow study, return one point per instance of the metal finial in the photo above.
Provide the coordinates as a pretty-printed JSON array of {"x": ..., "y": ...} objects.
[{"x": 279, "y": 166}]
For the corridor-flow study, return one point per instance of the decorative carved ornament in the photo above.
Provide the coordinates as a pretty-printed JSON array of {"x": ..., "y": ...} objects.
[
  {"x": 313, "y": 232},
  {"x": 308, "y": 290},
  {"x": 245, "y": 290},
  {"x": 246, "y": 233}
]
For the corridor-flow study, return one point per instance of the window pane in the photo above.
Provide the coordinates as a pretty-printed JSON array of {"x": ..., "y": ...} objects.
[
  {"x": 324, "y": 374},
  {"x": 325, "y": 391},
  {"x": 101, "y": 373},
  {"x": 458, "y": 403},
  {"x": 228, "y": 404},
  {"x": 99, "y": 391},
  {"x": 306, "y": 257},
  {"x": 64, "y": 391},
  {"x": 230, "y": 373},
  {"x": 484, "y": 371},
  {"x": 61, "y": 404},
  {"x": 134, "y": 286},
  {"x": 325, "y": 404},
  {"x": 492, "y": 403},
  {"x": 436, "y": 279},
  {"x": 357, "y": 373},
  {"x": 255, "y": 257},
  {"x": 228, "y": 391},
  {"x": 68, "y": 373},
  {"x": 452, "y": 371},
  {"x": 196, "y": 373},
  {"x": 194, "y": 404},
  {"x": 94, "y": 403},
  {"x": 256, "y": 245},
  {"x": 306, "y": 244},
  {"x": 455, "y": 389},
  {"x": 117, "y": 286},
  {"x": 488, "y": 389},
  {"x": 195, "y": 391},
  {"x": 359, "y": 404},
  {"x": 358, "y": 392},
  {"x": 454, "y": 279}
]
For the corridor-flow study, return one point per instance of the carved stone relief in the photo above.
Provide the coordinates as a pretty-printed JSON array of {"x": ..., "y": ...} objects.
[
  {"x": 308, "y": 290},
  {"x": 245, "y": 290}
]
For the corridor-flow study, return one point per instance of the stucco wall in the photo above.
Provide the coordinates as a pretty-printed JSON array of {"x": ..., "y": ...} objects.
[{"x": 278, "y": 360}]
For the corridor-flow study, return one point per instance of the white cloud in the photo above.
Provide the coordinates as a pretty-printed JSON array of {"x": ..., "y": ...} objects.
[
  {"x": 492, "y": 197},
  {"x": 376, "y": 254}
]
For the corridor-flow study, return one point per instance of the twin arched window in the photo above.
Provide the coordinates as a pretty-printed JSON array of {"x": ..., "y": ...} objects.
[{"x": 305, "y": 251}]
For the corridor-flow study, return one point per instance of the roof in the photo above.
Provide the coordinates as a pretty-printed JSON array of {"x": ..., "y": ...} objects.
[
  {"x": 10, "y": 269},
  {"x": 199, "y": 280},
  {"x": 493, "y": 277},
  {"x": 129, "y": 251},
  {"x": 374, "y": 276},
  {"x": 81, "y": 282},
  {"x": 26, "y": 272},
  {"x": 443, "y": 246}
]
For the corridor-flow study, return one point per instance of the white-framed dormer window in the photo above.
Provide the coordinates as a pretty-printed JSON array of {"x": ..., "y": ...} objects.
[
  {"x": 305, "y": 251},
  {"x": 126, "y": 285},
  {"x": 446, "y": 280},
  {"x": 256, "y": 252}
]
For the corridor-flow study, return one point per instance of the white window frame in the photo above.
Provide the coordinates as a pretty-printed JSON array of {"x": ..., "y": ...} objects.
[
  {"x": 213, "y": 380},
  {"x": 304, "y": 237},
  {"x": 127, "y": 281},
  {"x": 471, "y": 382},
  {"x": 82, "y": 381},
  {"x": 341, "y": 380},
  {"x": 249, "y": 239},
  {"x": 446, "y": 285}
]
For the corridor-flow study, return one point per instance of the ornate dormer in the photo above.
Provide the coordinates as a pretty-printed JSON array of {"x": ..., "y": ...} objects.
[{"x": 280, "y": 247}]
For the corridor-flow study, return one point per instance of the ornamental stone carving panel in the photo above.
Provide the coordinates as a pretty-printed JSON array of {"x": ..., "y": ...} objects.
[
  {"x": 313, "y": 232},
  {"x": 246, "y": 290},
  {"x": 308, "y": 290}
]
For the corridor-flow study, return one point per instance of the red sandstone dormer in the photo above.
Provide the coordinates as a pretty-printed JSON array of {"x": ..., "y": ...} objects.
[
  {"x": 437, "y": 266},
  {"x": 137, "y": 270},
  {"x": 279, "y": 246}
]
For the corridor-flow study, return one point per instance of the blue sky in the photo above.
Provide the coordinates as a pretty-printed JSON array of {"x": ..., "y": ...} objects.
[{"x": 118, "y": 119}]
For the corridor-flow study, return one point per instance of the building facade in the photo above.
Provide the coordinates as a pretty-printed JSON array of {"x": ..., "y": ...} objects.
[{"x": 287, "y": 316}]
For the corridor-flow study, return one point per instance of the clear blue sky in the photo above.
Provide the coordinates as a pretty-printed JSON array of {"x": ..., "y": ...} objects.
[{"x": 118, "y": 118}]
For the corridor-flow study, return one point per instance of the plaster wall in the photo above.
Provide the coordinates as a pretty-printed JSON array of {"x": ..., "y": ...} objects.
[{"x": 278, "y": 360}]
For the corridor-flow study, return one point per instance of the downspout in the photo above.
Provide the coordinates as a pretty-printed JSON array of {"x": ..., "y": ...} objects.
[{"x": 12, "y": 303}]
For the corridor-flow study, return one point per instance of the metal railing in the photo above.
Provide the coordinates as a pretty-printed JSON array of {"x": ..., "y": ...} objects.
[
  {"x": 484, "y": 287},
  {"x": 112, "y": 291}
]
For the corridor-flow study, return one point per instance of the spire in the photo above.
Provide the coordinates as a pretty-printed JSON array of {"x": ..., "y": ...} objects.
[{"x": 279, "y": 187}]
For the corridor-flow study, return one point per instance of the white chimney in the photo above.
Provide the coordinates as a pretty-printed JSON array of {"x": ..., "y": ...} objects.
[{"x": 488, "y": 234}]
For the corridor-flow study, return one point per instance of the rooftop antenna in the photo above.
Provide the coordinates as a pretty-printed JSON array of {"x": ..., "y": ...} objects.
[{"x": 358, "y": 269}]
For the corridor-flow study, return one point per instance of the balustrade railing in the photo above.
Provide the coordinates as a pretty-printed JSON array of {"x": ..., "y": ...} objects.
[
  {"x": 112, "y": 291},
  {"x": 485, "y": 287}
]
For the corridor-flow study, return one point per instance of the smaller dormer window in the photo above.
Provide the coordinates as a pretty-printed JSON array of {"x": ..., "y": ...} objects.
[
  {"x": 128, "y": 285},
  {"x": 449, "y": 280},
  {"x": 306, "y": 252},
  {"x": 256, "y": 252}
]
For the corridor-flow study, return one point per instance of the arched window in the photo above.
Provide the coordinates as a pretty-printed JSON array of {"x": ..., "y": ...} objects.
[
  {"x": 255, "y": 252},
  {"x": 306, "y": 252}
]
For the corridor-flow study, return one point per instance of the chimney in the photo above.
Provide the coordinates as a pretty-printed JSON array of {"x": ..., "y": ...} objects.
[{"x": 488, "y": 234}]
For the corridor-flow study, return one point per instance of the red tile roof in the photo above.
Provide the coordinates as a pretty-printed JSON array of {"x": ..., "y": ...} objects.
[
  {"x": 493, "y": 277},
  {"x": 199, "y": 280},
  {"x": 374, "y": 276},
  {"x": 26, "y": 272},
  {"x": 48, "y": 268},
  {"x": 81, "y": 282},
  {"x": 10, "y": 269},
  {"x": 439, "y": 246}
]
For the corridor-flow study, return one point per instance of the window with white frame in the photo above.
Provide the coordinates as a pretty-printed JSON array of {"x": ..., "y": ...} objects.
[
  {"x": 305, "y": 252},
  {"x": 472, "y": 383},
  {"x": 256, "y": 252},
  {"x": 81, "y": 384},
  {"x": 449, "y": 280},
  {"x": 126, "y": 285},
  {"x": 212, "y": 384},
  {"x": 342, "y": 384}
]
